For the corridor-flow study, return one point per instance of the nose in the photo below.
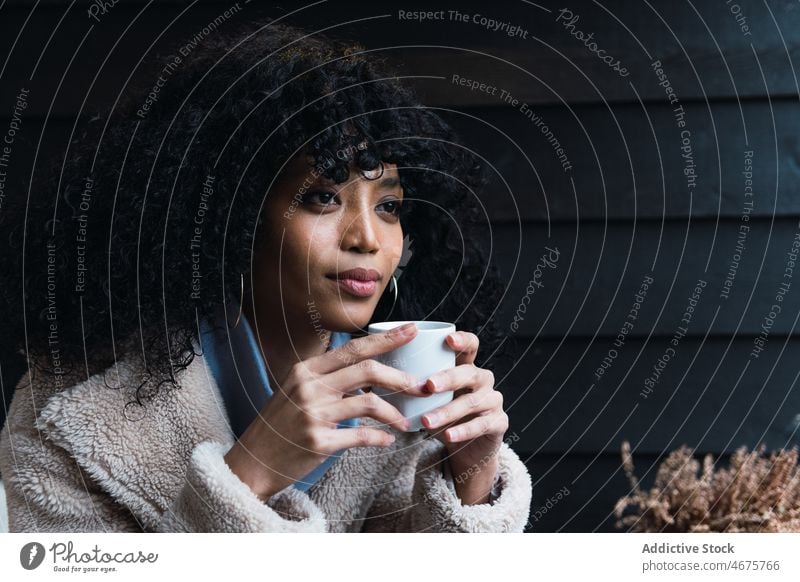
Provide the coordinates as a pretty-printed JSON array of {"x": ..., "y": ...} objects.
[{"x": 360, "y": 233}]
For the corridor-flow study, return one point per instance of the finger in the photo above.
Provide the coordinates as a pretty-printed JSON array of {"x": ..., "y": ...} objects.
[
  {"x": 360, "y": 436},
  {"x": 469, "y": 403},
  {"x": 372, "y": 373},
  {"x": 465, "y": 375},
  {"x": 466, "y": 346},
  {"x": 362, "y": 348},
  {"x": 438, "y": 433},
  {"x": 496, "y": 423},
  {"x": 370, "y": 405}
]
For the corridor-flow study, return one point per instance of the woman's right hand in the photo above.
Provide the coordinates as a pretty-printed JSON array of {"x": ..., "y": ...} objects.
[{"x": 297, "y": 427}]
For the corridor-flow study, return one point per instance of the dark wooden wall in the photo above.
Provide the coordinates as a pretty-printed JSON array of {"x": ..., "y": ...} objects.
[{"x": 621, "y": 212}]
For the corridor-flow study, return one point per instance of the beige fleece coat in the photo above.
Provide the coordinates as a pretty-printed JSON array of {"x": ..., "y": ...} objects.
[{"x": 71, "y": 461}]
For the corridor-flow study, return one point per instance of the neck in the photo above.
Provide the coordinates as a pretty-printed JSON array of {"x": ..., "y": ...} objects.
[{"x": 284, "y": 342}]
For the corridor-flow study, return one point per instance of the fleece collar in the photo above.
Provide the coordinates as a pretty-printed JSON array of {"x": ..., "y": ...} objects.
[{"x": 138, "y": 454}]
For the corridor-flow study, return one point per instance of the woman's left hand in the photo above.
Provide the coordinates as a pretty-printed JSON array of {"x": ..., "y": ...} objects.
[{"x": 472, "y": 425}]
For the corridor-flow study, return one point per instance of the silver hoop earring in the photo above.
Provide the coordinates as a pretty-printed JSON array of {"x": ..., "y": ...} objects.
[
  {"x": 394, "y": 286},
  {"x": 241, "y": 303}
]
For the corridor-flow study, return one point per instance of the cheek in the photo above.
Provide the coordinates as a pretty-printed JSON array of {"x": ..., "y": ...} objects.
[
  {"x": 306, "y": 245},
  {"x": 394, "y": 246}
]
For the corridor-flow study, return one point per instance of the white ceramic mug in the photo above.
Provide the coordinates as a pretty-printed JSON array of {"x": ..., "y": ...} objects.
[{"x": 422, "y": 357}]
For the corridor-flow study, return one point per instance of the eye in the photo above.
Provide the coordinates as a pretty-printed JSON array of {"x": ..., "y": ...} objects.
[
  {"x": 393, "y": 207},
  {"x": 320, "y": 197}
]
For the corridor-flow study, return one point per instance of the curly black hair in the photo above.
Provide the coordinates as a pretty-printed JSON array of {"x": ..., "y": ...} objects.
[{"x": 107, "y": 243}]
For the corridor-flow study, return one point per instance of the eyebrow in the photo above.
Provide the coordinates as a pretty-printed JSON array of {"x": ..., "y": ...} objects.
[
  {"x": 391, "y": 182},
  {"x": 388, "y": 182}
]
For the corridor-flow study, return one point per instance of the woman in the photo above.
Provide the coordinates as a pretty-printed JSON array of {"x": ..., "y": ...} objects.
[{"x": 197, "y": 281}]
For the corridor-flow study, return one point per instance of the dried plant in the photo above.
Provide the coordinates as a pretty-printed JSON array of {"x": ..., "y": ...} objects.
[{"x": 753, "y": 494}]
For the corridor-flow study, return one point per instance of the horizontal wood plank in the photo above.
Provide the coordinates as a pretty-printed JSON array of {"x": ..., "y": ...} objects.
[
  {"x": 577, "y": 493},
  {"x": 627, "y": 163},
  {"x": 586, "y": 278},
  {"x": 548, "y": 65},
  {"x": 579, "y": 396}
]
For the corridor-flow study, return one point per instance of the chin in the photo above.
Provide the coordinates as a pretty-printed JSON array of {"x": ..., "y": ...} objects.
[{"x": 347, "y": 318}]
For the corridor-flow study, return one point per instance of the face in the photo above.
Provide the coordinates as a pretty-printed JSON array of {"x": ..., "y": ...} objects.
[{"x": 327, "y": 251}]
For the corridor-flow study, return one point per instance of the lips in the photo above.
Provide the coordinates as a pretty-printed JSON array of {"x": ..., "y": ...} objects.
[
  {"x": 358, "y": 274},
  {"x": 358, "y": 282}
]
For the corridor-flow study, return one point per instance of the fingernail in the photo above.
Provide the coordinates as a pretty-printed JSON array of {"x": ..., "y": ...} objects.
[
  {"x": 430, "y": 386},
  {"x": 432, "y": 419},
  {"x": 403, "y": 329},
  {"x": 406, "y": 424}
]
